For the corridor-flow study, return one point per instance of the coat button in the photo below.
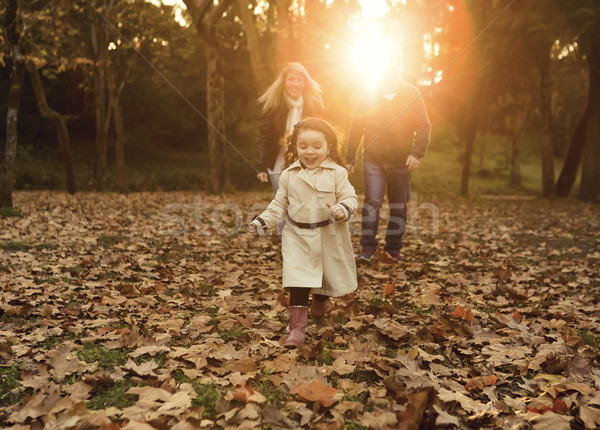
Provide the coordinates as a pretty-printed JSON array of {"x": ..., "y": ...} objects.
[{"x": 314, "y": 199}]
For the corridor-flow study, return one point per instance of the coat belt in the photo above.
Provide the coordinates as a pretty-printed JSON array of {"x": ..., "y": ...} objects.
[{"x": 309, "y": 226}]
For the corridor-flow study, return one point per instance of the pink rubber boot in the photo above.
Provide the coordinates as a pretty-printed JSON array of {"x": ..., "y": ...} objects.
[{"x": 298, "y": 317}]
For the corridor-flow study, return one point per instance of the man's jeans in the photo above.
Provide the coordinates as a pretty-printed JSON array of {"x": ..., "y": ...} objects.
[{"x": 398, "y": 185}]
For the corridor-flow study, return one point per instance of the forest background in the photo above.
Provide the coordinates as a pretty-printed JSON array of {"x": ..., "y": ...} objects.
[{"x": 143, "y": 95}]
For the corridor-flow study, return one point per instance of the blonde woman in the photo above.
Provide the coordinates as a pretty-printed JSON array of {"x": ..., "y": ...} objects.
[{"x": 293, "y": 96}]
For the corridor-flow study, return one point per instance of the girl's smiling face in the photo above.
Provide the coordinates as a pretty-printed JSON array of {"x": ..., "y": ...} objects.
[{"x": 311, "y": 147}]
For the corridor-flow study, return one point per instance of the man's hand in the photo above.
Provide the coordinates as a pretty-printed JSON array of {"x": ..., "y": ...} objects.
[
  {"x": 350, "y": 168},
  {"x": 263, "y": 176},
  {"x": 412, "y": 163},
  {"x": 336, "y": 212}
]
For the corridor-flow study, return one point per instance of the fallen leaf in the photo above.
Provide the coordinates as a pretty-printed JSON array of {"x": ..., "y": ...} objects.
[
  {"x": 316, "y": 391},
  {"x": 479, "y": 382}
]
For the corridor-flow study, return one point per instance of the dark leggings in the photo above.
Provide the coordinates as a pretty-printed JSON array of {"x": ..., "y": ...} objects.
[{"x": 299, "y": 296}]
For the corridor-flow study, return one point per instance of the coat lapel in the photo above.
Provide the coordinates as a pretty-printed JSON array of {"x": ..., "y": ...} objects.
[{"x": 323, "y": 182}]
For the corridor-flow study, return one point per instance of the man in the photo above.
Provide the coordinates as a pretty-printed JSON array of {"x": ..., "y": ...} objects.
[{"x": 394, "y": 123}]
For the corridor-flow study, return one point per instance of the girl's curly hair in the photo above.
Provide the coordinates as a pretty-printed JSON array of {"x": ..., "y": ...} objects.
[{"x": 334, "y": 146}]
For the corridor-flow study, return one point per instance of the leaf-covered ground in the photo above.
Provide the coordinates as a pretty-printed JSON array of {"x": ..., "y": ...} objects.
[{"x": 144, "y": 311}]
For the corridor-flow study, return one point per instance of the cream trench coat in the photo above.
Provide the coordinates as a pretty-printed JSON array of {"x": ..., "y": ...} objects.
[{"x": 321, "y": 258}]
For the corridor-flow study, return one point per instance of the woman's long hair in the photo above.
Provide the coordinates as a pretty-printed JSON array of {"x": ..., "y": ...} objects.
[
  {"x": 334, "y": 146},
  {"x": 312, "y": 93}
]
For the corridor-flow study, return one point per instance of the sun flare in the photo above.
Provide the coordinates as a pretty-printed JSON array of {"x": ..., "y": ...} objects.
[{"x": 370, "y": 55}]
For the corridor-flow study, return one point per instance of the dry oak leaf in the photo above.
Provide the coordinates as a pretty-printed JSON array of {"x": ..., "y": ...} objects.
[
  {"x": 150, "y": 393},
  {"x": 392, "y": 328},
  {"x": 551, "y": 420},
  {"x": 389, "y": 288},
  {"x": 417, "y": 404},
  {"x": 40, "y": 404},
  {"x": 177, "y": 404},
  {"x": 245, "y": 365},
  {"x": 137, "y": 425},
  {"x": 272, "y": 415},
  {"x": 316, "y": 391},
  {"x": 379, "y": 420},
  {"x": 465, "y": 314},
  {"x": 144, "y": 369},
  {"x": 590, "y": 416},
  {"x": 559, "y": 405},
  {"x": 63, "y": 362},
  {"x": 246, "y": 394},
  {"x": 246, "y": 322},
  {"x": 479, "y": 382},
  {"x": 444, "y": 418},
  {"x": 465, "y": 402}
]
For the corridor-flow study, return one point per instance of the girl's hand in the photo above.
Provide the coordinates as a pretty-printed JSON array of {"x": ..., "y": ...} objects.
[
  {"x": 262, "y": 177},
  {"x": 255, "y": 227},
  {"x": 336, "y": 212}
]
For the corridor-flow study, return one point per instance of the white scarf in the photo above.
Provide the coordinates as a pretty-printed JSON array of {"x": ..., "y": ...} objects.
[{"x": 295, "y": 112}]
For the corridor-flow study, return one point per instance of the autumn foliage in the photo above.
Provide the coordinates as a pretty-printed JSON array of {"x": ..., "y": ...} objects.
[{"x": 139, "y": 312}]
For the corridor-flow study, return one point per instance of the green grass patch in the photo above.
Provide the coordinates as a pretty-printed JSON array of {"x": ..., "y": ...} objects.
[
  {"x": 107, "y": 359},
  {"x": 21, "y": 245},
  {"x": 340, "y": 319},
  {"x": 233, "y": 334},
  {"x": 73, "y": 302},
  {"x": 49, "y": 246},
  {"x": 275, "y": 395},
  {"x": 207, "y": 394},
  {"x": 326, "y": 358},
  {"x": 206, "y": 289},
  {"x": 160, "y": 359},
  {"x": 107, "y": 395},
  {"x": 354, "y": 426},
  {"x": 377, "y": 301},
  {"x": 10, "y": 388},
  {"x": 120, "y": 325},
  {"x": 363, "y": 375},
  {"x": 360, "y": 398},
  {"x": 9, "y": 212},
  {"x": 333, "y": 346},
  {"x": 422, "y": 311},
  {"x": 391, "y": 353},
  {"x": 15, "y": 246},
  {"x": 76, "y": 271},
  {"x": 110, "y": 240},
  {"x": 211, "y": 310},
  {"x": 51, "y": 342},
  {"x": 588, "y": 337},
  {"x": 71, "y": 379}
]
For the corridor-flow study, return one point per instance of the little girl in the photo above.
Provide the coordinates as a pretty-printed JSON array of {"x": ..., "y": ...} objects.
[{"x": 315, "y": 199}]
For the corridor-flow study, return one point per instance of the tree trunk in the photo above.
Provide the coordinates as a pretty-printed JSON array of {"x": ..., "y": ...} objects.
[
  {"x": 261, "y": 72},
  {"x": 216, "y": 117},
  {"x": 100, "y": 104},
  {"x": 568, "y": 173},
  {"x": 547, "y": 148},
  {"x": 469, "y": 139},
  {"x": 590, "y": 169},
  {"x": 206, "y": 14},
  {"x": 14, "y": 97},
  {"x": 62, "y": 132},
  {"x": 515, "y": 162},
  {"x": 117, "y": 111},
  {"x": 284, "y": 31}
]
